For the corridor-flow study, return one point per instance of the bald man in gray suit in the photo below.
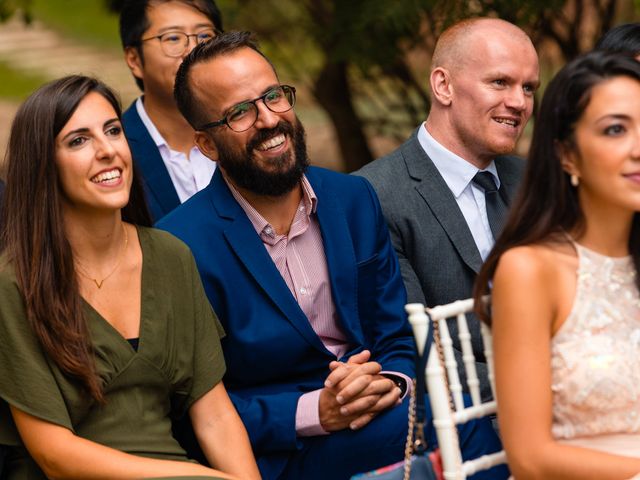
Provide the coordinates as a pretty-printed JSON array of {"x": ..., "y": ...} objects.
[{"x": 445, "y": 191}]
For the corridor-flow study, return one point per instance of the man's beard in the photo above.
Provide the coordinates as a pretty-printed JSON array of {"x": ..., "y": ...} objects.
[{"x": 244, "y": 171}]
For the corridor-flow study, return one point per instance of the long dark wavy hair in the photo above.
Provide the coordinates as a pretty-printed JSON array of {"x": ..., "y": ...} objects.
[
  {"x": 547, "y": 205},
  {"x": 33, "y": 237}
]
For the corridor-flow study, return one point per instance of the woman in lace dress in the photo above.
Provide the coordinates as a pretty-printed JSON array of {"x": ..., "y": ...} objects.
[{"x": 565, "y": 299}]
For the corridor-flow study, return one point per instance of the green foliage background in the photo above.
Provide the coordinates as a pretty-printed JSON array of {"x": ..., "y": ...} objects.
[{"x": 365, "y": 62}]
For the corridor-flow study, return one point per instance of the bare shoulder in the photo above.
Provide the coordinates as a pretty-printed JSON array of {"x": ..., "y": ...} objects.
[
  {"x": 528, "y": 262},
  {"x": 548, "y": 258},
  {"x": 538, "y": 276}
]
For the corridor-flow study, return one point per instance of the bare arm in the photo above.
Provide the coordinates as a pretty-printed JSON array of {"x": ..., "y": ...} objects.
[
  {"x": 63, "y": 455},
  {"x": 524, "y": 308},
  {"x": 222, "y": 435}
]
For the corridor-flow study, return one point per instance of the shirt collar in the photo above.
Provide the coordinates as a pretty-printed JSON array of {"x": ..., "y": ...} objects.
[
  {"x": 151, "y": 128},
  {"x": 167, "y": 154},
  {"x": 455, "y": 170},
  {"x": 261, "y": 226},
  {"x": 309, "y": 196}
]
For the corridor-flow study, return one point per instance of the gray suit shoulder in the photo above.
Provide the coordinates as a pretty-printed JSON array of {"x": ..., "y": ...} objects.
[
  {"x": 511, "y": 163},
  {"x": 383, "y": 173},
  {"x": 510, "y": 169}
]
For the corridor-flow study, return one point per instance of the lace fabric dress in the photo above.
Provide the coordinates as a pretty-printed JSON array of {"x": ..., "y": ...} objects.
[{"x": 595, "y": 359}]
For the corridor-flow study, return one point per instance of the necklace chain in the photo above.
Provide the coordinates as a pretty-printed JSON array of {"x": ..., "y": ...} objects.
[{"x": 83, "y": 272}]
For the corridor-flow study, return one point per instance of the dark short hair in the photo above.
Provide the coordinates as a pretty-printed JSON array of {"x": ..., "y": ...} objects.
[
  {"x": 547, "y": 205},
  {"x": 134, "y": 21},
  {"x": 623, "y": 39},
  {"x": 188, "y": 104}
]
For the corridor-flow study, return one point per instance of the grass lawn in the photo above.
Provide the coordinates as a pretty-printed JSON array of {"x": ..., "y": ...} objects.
[
  {"x": 17, "y": 85},
  {"x": 87, "y": 20}
]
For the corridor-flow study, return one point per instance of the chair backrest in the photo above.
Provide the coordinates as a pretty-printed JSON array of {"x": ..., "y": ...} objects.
[{"x": 445, "y": 390}]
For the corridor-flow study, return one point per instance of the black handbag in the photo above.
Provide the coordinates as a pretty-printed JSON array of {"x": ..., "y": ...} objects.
[{"x": 419, "y": 462}]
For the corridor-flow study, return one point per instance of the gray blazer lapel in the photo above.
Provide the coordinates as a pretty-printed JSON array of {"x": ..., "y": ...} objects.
[
  {"x": 441, "y": 202},
  {"x": 510, "y": 170}
]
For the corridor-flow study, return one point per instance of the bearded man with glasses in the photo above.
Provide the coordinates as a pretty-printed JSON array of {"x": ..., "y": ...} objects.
[
  {"x": 156, "y": 35},
  {"x": 298, "y": 265}
]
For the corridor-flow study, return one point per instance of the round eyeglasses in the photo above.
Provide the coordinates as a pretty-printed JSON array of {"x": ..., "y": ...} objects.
[
  {"x": 174, "y": 44},
  {"x": 243, "y": 116}
]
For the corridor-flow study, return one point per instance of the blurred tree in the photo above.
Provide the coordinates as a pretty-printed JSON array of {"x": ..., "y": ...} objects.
[
  {"x": 354, "y": 57},
  {"x": 9, "y": 7},
  {"x": 366, "y": 62},
  {"x": 114, "y": 5},
  {"x": 576, "y": 26}
]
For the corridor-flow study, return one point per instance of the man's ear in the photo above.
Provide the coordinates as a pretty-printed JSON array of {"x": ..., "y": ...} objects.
[
  {"x": 206, "y": 145},
  {"x": 134, "y": 61},
  {"x": 441, "y": 87}
]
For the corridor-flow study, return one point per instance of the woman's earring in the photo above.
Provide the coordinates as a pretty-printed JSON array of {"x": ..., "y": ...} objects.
[{"x": 575, "y": 181}]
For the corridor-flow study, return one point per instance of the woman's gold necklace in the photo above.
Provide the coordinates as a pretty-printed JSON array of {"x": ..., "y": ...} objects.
[{"x": 83, "y": 272}]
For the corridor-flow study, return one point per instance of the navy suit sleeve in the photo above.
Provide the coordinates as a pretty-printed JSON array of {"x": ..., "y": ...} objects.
[
  {"x": 383, "y": 316},
  {"x": 269, "y": 419},
  {"x": 267, "y": 407}
]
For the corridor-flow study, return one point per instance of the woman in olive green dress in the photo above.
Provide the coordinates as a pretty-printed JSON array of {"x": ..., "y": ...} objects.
[{"x": 105, "y": 330}]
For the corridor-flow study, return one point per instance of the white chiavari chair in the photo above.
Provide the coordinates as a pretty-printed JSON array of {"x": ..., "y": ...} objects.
[{"x": 445, "y": 389}]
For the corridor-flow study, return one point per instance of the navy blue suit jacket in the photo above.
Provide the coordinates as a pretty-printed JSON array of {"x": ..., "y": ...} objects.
[
  {"x": 273, "y": 355},
  {"x": 160, "y": 193}
]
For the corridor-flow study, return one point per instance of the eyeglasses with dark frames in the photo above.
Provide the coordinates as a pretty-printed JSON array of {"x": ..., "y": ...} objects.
[
  {"x": 243, "y": 116},
  {"x": 175, "y": 43}
]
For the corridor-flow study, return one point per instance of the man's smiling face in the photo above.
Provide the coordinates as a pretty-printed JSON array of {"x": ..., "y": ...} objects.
[
  {"x": 270, "y": 157},
  {"x": 492, "y": 94}
]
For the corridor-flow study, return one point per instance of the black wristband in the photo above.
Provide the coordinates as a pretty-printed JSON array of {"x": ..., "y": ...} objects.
[{"x": 400, "y": 382}]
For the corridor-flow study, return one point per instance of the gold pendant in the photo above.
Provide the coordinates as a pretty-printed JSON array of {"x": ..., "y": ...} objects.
[{"x": 82, "y": 272}]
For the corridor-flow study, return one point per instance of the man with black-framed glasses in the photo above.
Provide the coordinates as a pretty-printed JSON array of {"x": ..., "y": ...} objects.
[
  {"x": 156, "y": 35},
  {"x": 298, "y": 265}
]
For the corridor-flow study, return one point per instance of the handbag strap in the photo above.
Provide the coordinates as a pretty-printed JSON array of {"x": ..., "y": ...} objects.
[
  {"x": 416, "y": 443},
  {"x": 420, "y": 388}
]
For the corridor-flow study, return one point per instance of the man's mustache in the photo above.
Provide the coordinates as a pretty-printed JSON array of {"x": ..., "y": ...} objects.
[{"x": 263, "y": 135}]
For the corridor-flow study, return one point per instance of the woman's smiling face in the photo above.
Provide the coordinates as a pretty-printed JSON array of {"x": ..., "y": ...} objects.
[{"x": 93, "y": 158}]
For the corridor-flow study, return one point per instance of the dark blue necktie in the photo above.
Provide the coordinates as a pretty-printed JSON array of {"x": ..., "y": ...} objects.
[{"x": 497, "y": 207}]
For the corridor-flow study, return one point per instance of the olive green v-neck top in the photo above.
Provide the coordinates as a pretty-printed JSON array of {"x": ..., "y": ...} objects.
[{"x": 179, "y": 359}]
